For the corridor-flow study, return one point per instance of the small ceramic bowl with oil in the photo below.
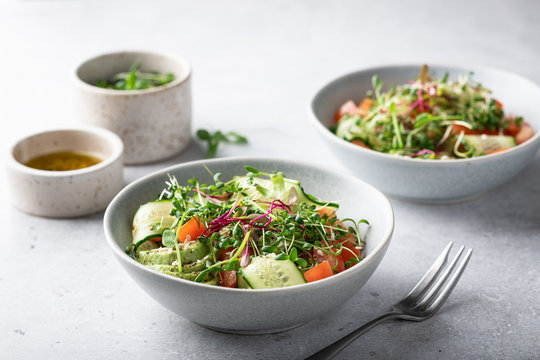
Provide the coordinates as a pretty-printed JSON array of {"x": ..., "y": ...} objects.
[{"x": 65, "y": 173}]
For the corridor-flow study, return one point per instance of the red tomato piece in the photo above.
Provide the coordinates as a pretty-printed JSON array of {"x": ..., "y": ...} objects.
[
  {"x": 360, "y": 143},
  {"x": 524, "y": 134},
  {"x": 335, "y": 261},
  {"x": 227, "y": 279},
  {"x": 349, "y": 108},
  {"x": 318, "y": 272}
]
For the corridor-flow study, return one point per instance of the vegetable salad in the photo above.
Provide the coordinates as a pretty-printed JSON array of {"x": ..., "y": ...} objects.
[
  {"x": 260, "y": 230},
  {"x": 431, "y": 119}
]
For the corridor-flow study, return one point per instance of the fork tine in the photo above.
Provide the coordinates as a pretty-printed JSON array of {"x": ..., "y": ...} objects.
[
  {"x": 430, "y": 275},
  {"x": 427, "y": 298},
  {"x": 449, "y": 286}
]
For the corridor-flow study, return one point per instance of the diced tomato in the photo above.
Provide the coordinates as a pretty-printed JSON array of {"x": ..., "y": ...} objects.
[
  {"x": 365, "y": 105},
  {"x": 192, "y": 229},
  {"x": 335, "y": 261},
  {"x": 521, "y": 132},
  {"x": 524, "y": 134},
  {"x": 497, "y": 151},
  {"x": 512, "y": 129},
  {"x": 318, "y": 272},
  {"x": 225, "y": 254},
  {"x": 349, "y": 250},
  {"x": 227, "y": 278},
  {"x": 330, "y": 212},
  {"x": 352, "y": 246},
  {"x": 349, "y": 108},
  {"x": 457, "y": 129},
  {"x": 498, "y": 103},
  {"x": 360, "y": 143}
]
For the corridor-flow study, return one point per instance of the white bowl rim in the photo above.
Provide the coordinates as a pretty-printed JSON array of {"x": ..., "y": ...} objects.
[
  {"x": 121, "y": 254},
  {"x": 107, "y": 135},
  {"x": 341, "y": 142},
  {"x": 113, "y": 92}
]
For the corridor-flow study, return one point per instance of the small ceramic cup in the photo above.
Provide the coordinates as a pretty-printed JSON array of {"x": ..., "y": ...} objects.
[
  {"x": 153, "y": 123},
  {"x": 71, "y": 193}
]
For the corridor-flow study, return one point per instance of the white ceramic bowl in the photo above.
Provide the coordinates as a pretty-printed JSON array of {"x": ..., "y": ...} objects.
[
  {"x": 154, "y": 123},
  {"x": 429, "y": 180},
  {"x": 71, "y": 193},
  {"x": 254, "y": 311}
]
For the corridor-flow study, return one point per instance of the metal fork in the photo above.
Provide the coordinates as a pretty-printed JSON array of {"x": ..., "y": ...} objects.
[{"x": 421, "y": 302}]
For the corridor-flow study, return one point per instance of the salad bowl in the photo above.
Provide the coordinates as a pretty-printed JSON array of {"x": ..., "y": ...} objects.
[
  {"x": 429, "y": 180},
  {"x": 254, "y": 311}
]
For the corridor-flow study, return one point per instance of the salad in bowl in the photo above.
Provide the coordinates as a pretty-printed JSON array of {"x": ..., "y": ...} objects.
[
  {"x": 448, "y": 134},
  {"x": 255, "y": 231},
  {"x": 429, "y": 118},
  {"x": 198, "y": 227}
]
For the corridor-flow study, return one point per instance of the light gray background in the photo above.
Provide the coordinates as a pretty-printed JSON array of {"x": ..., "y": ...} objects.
[{"x": 256, "y": 64}]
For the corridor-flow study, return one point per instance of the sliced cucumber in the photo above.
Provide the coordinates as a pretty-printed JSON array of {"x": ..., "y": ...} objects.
[
  {"x": 265, "y": 273},
  {"x": 484, "y": 144},
  {"x": 152, "y": 219},
  {"x": 266, "y": 190}
]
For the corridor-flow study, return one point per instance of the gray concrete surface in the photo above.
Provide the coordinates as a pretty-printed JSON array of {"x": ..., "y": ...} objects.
[{"x": 256, "y": 64}]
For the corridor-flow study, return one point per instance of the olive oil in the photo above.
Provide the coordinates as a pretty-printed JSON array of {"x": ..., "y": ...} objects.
[{"x": 63, "y": 161}]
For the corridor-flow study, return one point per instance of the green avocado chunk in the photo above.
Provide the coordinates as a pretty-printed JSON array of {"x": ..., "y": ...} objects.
[
  {"x": 195, "y": 251},
  {"x": 166, "y": 256},
  {"x": 193, "y": 258},
  {"x": 195, "y": 267},
  {"x": 161, "y": 256},
  {"x": 189, "y": 272}
]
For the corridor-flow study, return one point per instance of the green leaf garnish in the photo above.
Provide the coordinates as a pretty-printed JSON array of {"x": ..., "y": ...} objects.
[
  {"x": 214, "y": 139},
  {"x": 134, "y": 79},
  {"x": 169, "y": 239}
]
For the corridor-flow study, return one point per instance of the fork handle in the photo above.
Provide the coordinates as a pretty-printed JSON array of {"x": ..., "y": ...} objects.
[{"x": 333, "y": 349}]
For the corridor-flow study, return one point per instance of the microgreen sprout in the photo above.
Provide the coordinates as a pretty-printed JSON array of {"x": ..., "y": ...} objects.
[{"x": 134, "y": 79}]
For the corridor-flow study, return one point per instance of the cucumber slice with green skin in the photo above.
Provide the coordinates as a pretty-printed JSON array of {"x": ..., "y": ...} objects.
[
  {"x": 266, "y": 273},
  {"x": 290, "y": 191},
  {"x": 152, "y": 219},
  {"x": 484, "y": 144}
]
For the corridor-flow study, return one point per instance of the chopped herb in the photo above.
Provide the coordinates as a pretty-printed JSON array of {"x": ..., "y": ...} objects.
[
  {"x": 215, "y": 138},
  {"x": 135, "y": 79}
]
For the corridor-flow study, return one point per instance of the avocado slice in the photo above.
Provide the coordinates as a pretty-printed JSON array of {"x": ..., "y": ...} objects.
[
  {"x": 161, "y": 256},
  {"x": 194, "y": 252}
]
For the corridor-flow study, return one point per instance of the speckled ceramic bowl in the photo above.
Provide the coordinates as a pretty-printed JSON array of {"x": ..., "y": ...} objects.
[
  {"x": 72, "y": 193},
  {"x": 432, "y": 181},
  {"x": 154, "y": 123},
  {"x": 254, "y": 311}
]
